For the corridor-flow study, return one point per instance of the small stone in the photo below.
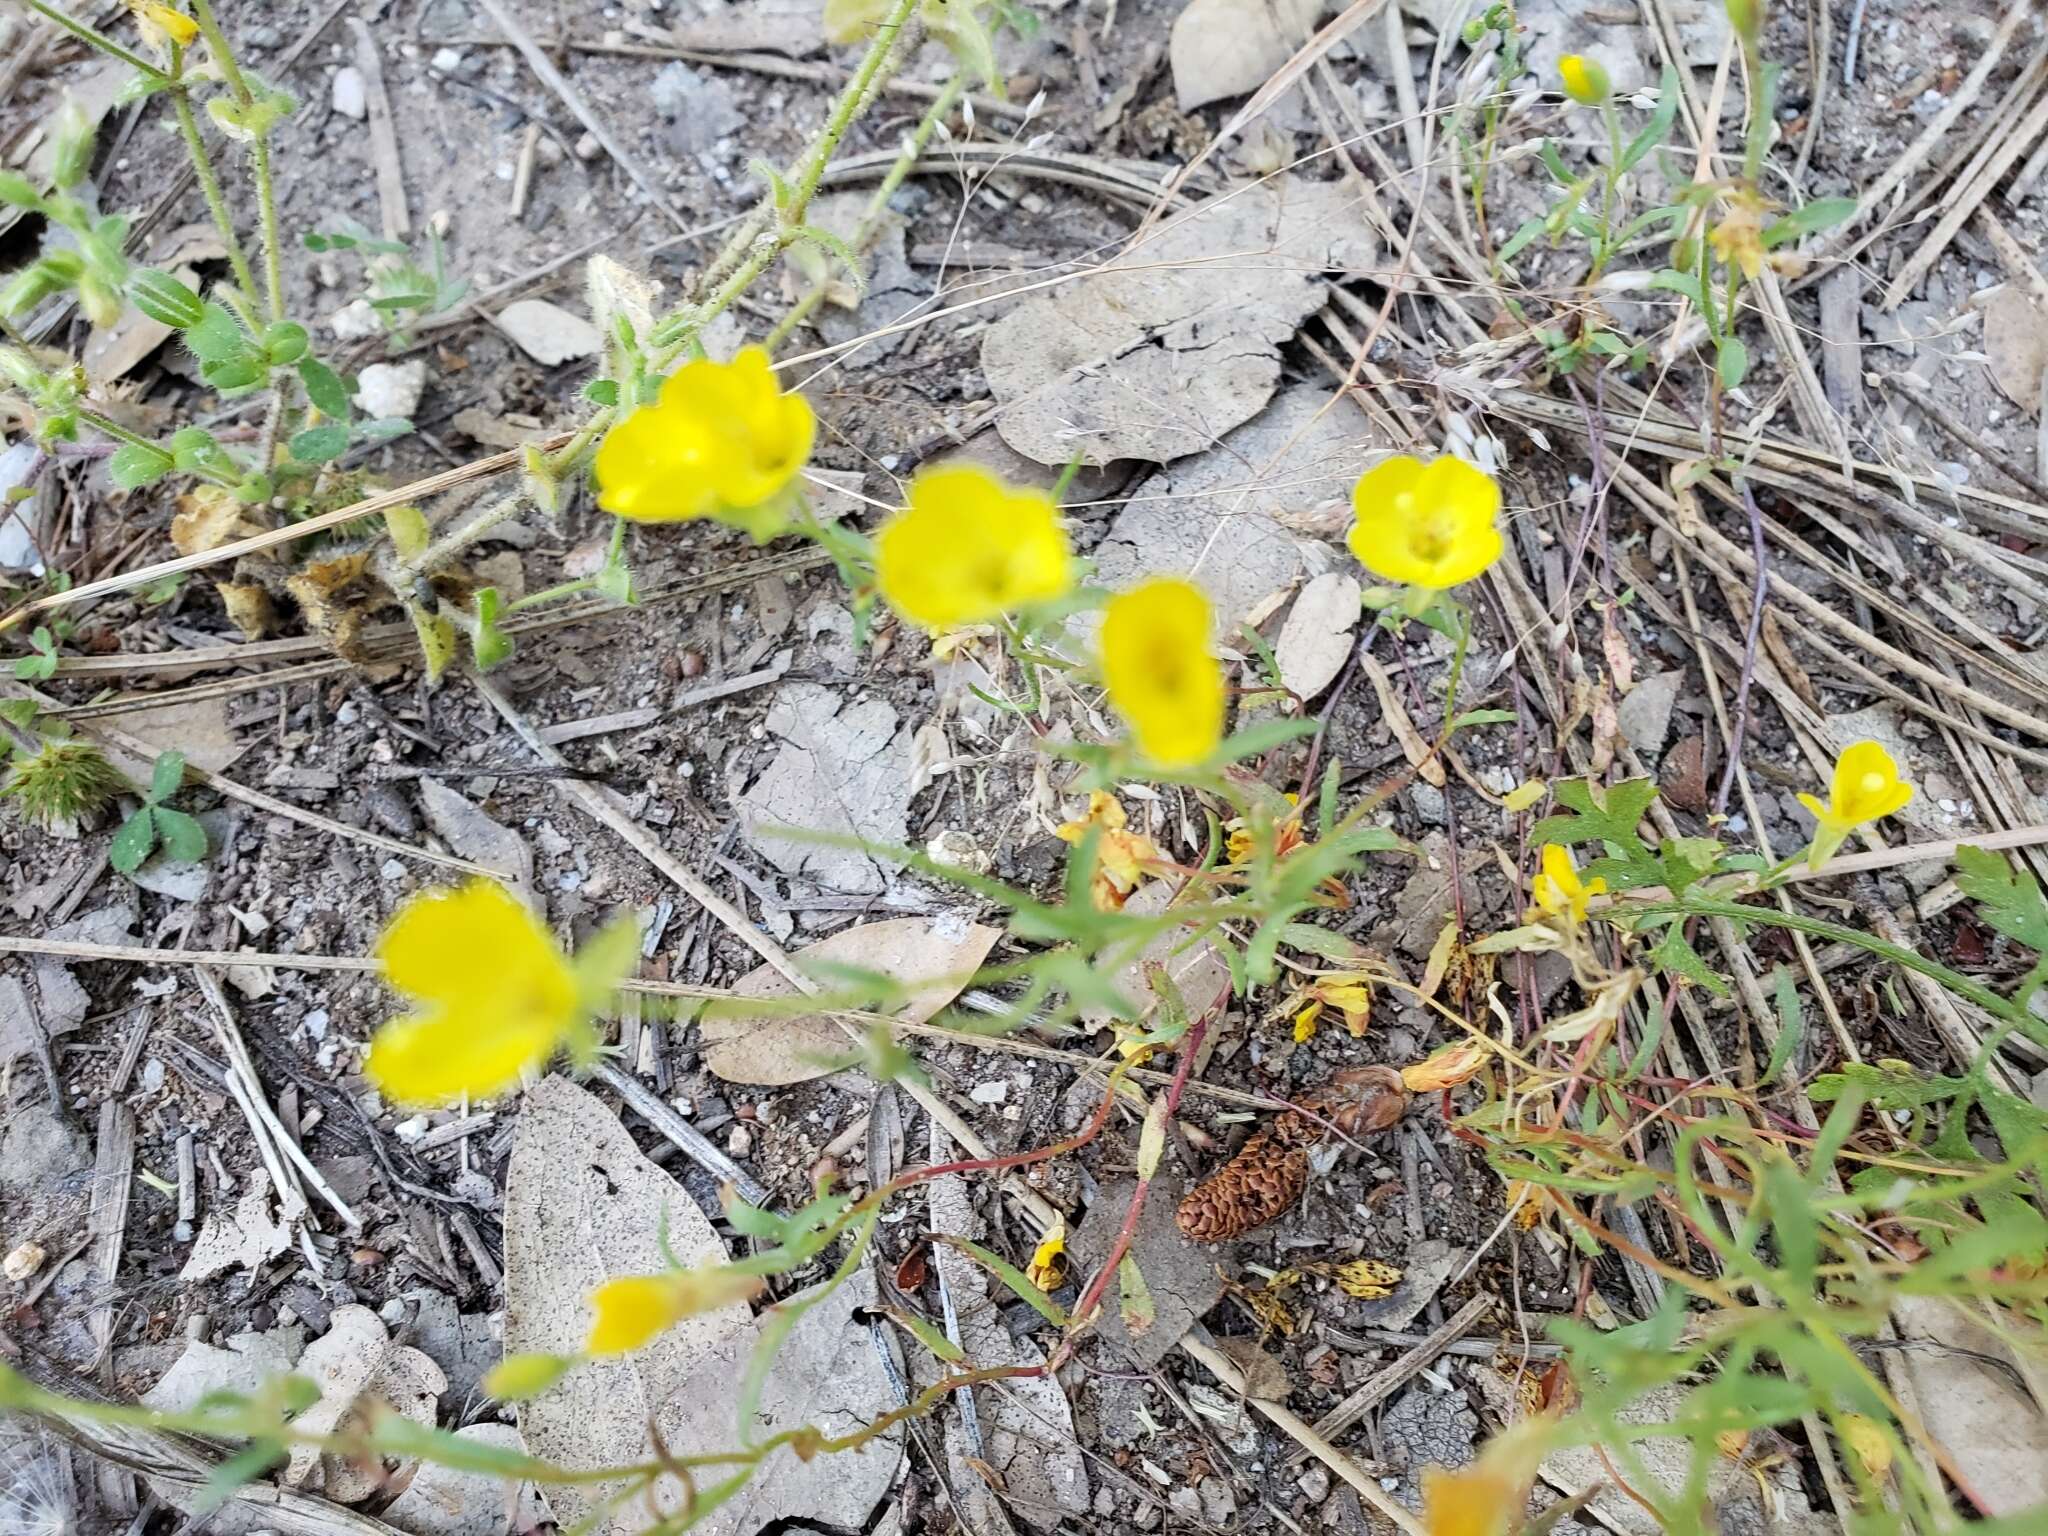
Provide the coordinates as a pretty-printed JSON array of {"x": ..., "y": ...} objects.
[
  {"x": 990, "y": 1093},
  {"x": 410, "y": 1130},
  {"x": 1186, "y": 1503},
  {"x": 587, "y": 147},
  {"x": 1315, "y": 1484},
  {"x": 739, "y": 1141},
  {"x": 549, "y": 151},
  {"x": 392, "y": 869},
  {"x": 393, "y": 1312},
  {"x": 350, "y": 98},
  {"x": 548, "y": 333},
  {"x": 385, "y": 390},
  {"x": 355, "y": 321},
  {"x": 24, "y": 1261},
  {"x": 445, "y": 61},
  {"x": 1217, "y": 1504}
]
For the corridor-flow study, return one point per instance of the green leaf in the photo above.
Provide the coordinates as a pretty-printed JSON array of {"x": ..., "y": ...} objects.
[
  {"x": 1658, "y": 128},
  {"x": 1525, "y": 233},
  {"x": 324, "y": 388},
  {"x": 235, "y": 375},
  {"x": 133, "y": 841},
  {"x": 184, "y": 839},
  {"x": 284, "y": 342},
  {"x": 164, "y": 299},
  {"x": 1680, "y": 282},
  {"x": 1676, "y": 957},
  {"x": 1610, "y": 818},
  {"x": 603, "y": 392},
  {"x": 927, "y": 1335},
  {"x": 1134, "y": 1298},
  {"x": 2007, "y": 898},
  {"x": 317, "y": 445},
  {"x": 246, "y": 1465},
  {"x": 1319, "y": 941},
  {"x": 1483, "y": 717},
  {"x": 1822, "y": 213},
  {"x": 1791, "y": 1023},
  {"x": 1731, "y": 361},
  {"x": 215, "y": 337},
  {"x": 1010, "y": 1275},
  {"x": 487, "y": 642},
  {"x": 138, "y": 464},
  {"x": 167, "y": 776}
]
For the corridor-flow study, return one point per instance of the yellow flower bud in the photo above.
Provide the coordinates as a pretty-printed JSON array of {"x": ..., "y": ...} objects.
[
  {"x": 1585, "y": 79},
  {"x": 1447, "y": 1068},
  {"x": 518, "y": 1377}
]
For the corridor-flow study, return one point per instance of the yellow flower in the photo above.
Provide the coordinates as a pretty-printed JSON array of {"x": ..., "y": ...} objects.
[
  {"x": 1479, "y": 1501},
  {"x": 1867, "y": 787},
  {"x": 1349, "y": 995},
  {"x": 1049, "y": 1259},
  {"x": 1121, "y": 856},
  {"x": 496, "y": 999},
  {"x": 1244, "y": 834},
  {"x": 722, "y": 441},
  {"x": 1305, "y": 1023},
  {"x": 163, "y": 24},
  {"x": 1585, "y": 79},
  {"x": 1425, "y": 525},
  {"x": 1447, "y": 1068},
  {"x": 1161, "y": 674},
  {"x": 1557, "y": 889},
  {"x": 632, "y": 1310},
  {"x": 970, "y": 548}
]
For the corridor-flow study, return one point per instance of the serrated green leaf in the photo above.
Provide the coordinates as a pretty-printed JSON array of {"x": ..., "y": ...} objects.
[
  {"x": 1675, "y": 956},
  {"x": 2007, "y": 898},
  {"x": 133, "y": 841}
]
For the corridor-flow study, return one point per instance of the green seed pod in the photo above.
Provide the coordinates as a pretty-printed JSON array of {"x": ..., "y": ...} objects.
[{"x": 164, "y": 299}]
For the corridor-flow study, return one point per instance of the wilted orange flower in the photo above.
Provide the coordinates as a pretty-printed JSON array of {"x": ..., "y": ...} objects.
[
  {"x": 1447, "y": 1068},
  {"x": 1121, "y": 856}
]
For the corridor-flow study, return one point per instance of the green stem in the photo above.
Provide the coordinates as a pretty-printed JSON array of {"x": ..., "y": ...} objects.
[
  {"x": 209, "y": 184},
  {"x": 454, "y": 542},
  {"x": 1956, "y": 982},
  {"x": 762, "y": 246},
  {"x": 259, "y": 156},
  {"x": 551, "y": 594},
  {"x": 878, "y": 205},
  {"x": 107, "y": 427},
  {"x": 99, "y": 40},
  {"x": 1613, "y": 182}
]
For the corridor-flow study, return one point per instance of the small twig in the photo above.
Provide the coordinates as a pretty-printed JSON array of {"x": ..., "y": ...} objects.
[
  {"x": 694, "y": 1143},
  {"x": 1384, "y": 1382}
]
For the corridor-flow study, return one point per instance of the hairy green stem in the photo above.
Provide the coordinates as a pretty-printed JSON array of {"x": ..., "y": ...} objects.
[
  {"x": 755, "y": 246},
  {"x": 259, "y": 156},
  {"x": 878, "y": 205},
  {"x": 209, "y": 186},
  {"x": 98, "y": 39},
  {"x": 456, "y": 540}
]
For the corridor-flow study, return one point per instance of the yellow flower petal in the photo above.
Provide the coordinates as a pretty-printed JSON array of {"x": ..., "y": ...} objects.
[
  {"x": 1557, "y": 889},
  {"x": 1048, "y": 1259},
  {"x": 175, "y": 24},
  {"x": 497, "y": 997},
  {"x": 1430, "y": 526},
  {"x": 1866, "y": 787},
  {"x": 1447, "y": 1068},
  {"x": 970, "y": 548},
  {"x": 1161, "y": 674},
  {"x": 631, "y": 1311},
  {"x": 721, "y": 440},
  {"x": 1305, "y": 1023}
]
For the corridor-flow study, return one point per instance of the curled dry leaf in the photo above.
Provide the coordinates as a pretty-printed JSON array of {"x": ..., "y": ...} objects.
[
  {"x": 249, "y": 607},
  {"x": 208, "y": 517}
]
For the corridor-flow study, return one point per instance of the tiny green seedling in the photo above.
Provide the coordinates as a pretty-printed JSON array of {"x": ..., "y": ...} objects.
[
  {"x": 41, "y": 665},
  {"x": 155, "y": 824}
]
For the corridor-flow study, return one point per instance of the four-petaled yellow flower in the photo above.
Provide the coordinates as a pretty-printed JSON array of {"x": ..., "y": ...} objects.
[
  {"x": 1867, "y": 787},
  {"x": 1738, "y": 236},
  {"x": 1429, "y": 526},
  {"x": 722, "y": 441},
  {"x": 970, "y": 548},
  {"x": 1161, "y": 674},
  {"x": 633, "y": 1310},
  {"x": 495, "y": 997},
  {"x": 1585, "y": 79},
  {"x": 1121, "y": 856},
  {"x": 1557, "y": 889}
]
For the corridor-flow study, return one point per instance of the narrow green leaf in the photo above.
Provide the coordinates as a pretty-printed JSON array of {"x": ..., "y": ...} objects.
[
  {"x": 1822, "y": 213},
  {"x": 1791, "y": 1023},
  {"x": 1134, "y": 1298},
  {"x": 927, "y": 1335},
  {"x": 1010, "y": 1275}
]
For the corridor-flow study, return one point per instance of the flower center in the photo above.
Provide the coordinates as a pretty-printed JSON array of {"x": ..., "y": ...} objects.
[
  {"x": 1872, "y": 783},
  {"x": 1430, "y": 538}
]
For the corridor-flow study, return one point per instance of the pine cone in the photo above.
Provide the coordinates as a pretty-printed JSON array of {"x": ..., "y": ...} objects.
[{"x": 1267, "y": 1176}]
